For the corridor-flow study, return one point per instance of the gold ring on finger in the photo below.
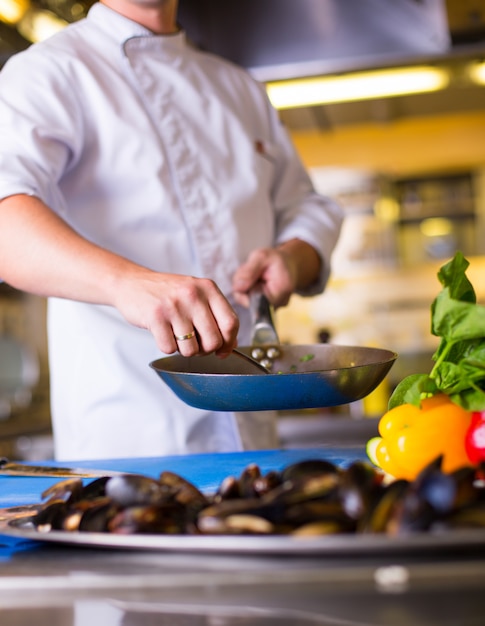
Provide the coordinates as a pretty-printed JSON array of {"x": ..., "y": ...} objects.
[{"x": 185, "y": 337}]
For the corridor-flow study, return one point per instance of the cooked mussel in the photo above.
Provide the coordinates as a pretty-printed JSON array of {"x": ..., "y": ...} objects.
[
  {"x": 308, "y": 498},
  {"x": 169, "y": 518},
  {"x": 137, "y": 490}
]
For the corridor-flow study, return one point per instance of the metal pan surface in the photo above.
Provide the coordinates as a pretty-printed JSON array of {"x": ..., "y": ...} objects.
[
  {"x": 303, "y": 377},
  {"x": 339, "y": 544}
]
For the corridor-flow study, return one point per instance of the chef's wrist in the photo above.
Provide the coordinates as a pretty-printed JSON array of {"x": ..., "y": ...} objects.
[{"x": 304, "y": 262}]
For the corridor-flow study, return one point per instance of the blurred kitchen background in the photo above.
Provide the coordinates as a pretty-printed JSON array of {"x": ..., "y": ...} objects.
[{"x": 404, "y": 154}]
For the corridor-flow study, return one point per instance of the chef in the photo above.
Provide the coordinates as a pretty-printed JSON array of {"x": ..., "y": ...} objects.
[{"x": 145, "y": 187}]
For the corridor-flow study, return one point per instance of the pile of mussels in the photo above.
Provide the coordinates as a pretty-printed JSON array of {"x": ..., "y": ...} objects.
[{"x": 311, "y": 497}]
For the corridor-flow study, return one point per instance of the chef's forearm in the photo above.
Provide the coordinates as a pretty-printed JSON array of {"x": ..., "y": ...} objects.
[
  {"x": 305, "y": 261},
  {"x": 41, "y": 254}
]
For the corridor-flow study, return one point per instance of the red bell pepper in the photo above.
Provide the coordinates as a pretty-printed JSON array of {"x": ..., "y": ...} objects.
[{"x": 475, "y": 438}]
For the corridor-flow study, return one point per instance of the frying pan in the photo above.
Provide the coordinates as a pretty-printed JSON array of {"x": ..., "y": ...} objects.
[{"x": 299, "y": 377}]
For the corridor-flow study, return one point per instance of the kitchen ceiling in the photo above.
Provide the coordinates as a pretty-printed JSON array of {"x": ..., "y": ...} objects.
[{"x": 466, "y": 25}]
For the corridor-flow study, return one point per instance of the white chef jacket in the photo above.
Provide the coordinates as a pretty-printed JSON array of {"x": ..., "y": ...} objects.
[{"x": 172, "y": 158}]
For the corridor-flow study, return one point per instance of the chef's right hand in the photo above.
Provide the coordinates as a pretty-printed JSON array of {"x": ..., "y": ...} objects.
[
  {"x": 185, "y": 314},
  {"x": 53, "y": 260}
]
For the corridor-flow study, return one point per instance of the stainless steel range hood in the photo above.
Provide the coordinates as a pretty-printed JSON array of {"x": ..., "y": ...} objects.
[
  {"x": 277, "y": 39},
  {"x": 280, "y": 39}
]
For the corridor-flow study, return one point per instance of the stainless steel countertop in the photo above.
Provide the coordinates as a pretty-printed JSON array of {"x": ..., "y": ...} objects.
[
  {"x": 54, "y": 585},
  {"x": 70, "y": 587}
]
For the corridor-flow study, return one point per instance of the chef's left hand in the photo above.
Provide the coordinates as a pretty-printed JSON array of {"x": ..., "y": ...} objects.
[{"x": 282, "y": 270}]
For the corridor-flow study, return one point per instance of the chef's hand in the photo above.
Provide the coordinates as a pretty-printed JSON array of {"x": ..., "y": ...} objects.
[
  {"x": 41, "y": 254},
  {"x": 281, "y": 271},
  {"x": 185, "y": 314}
]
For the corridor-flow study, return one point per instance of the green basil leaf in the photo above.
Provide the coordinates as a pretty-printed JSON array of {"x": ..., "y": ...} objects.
[
  {"x": 456, "y": 320},
  {"x": 452, "y": 275},
  {"x": 474, "y": 353},
  {"x": 453, "y": 378},
  {"x": 470, "y": 400},
  {"x": 468, "y": 349},
  {"x": 459, "y": 369},
  {"x": 410, "y": 390}
]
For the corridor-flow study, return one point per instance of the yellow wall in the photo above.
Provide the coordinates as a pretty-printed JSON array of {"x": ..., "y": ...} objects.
[{"x": 403, "y": 147}]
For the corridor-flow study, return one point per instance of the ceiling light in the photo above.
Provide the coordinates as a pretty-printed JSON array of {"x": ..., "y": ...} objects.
[
  {"x": 436, "y": 227},
  {"x": 12, "y": 11},
  {"x": 358, "y": 86},
  {"x": 38, "y": 25},
  {"x": 477, "y": 72},
  {"x": 387, "y": 209}
]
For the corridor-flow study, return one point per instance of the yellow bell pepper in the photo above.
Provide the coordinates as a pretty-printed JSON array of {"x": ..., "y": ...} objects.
[{"x": 411, "y": 437}]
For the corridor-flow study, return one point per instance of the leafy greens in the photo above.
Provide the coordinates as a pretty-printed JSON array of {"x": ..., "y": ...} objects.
[{"x": 459, "y": 369}]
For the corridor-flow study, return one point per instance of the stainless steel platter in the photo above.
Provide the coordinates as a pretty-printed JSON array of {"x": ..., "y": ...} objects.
[{"x": 338, "y": 544}]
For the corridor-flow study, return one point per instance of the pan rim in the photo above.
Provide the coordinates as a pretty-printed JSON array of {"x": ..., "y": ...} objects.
[{"x": 388, "y": 356}]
